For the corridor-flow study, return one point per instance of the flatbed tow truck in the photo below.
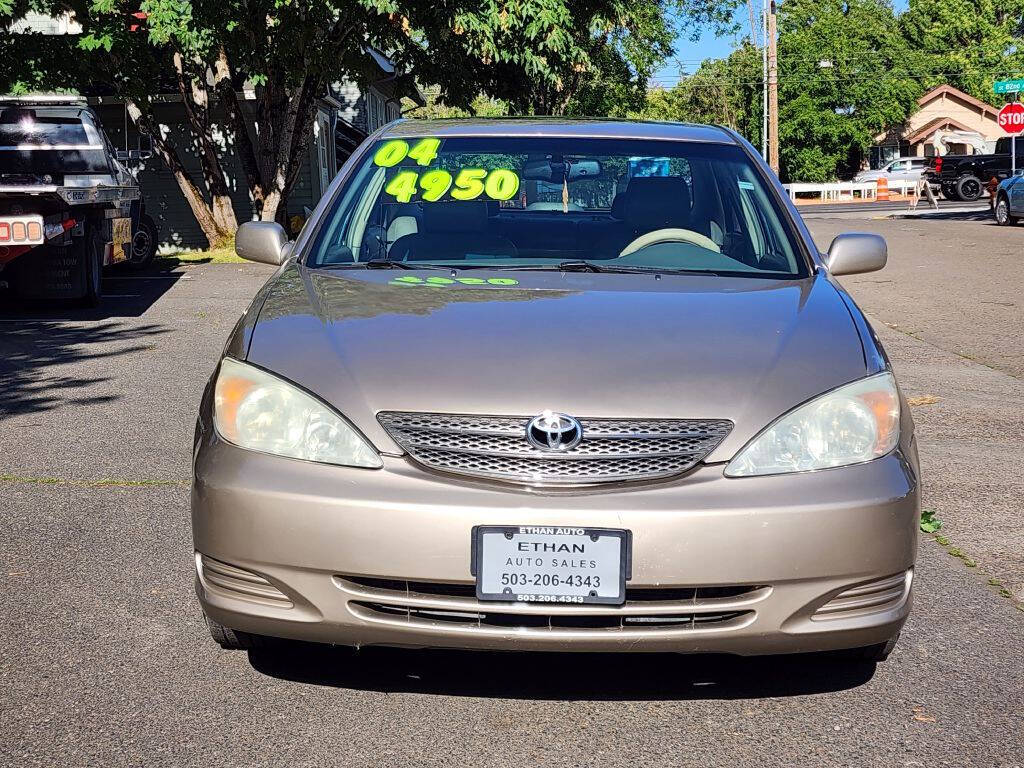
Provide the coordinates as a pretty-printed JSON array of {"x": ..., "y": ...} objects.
[{"x": 69, "y": 206}]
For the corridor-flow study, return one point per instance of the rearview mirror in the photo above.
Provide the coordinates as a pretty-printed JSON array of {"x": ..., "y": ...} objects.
[
  {"x": 553, "y": 172},
  {"x": 855, "y": 252},
  {"x": 133, "y": 156},
  {"x": 262, "y": 241}
]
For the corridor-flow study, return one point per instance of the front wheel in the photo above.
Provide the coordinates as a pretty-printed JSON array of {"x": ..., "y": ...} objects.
[
  {"x": 969, "y": 188},
  {"x": 949, "y": 192},
  {"x": 144, "y": 240},
  {"x": 1003, "y": 217},
  {"x": 91, "y": 260},
  {"x": 871, "y": 653},
  {"x": 233, "y": 639}
]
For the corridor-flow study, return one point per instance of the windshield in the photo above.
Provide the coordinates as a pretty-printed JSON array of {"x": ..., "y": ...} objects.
[
  {"x": 47, "y": 128},
  {"x": 616, "y": 205},
  {"x": 39, "y": 140}
]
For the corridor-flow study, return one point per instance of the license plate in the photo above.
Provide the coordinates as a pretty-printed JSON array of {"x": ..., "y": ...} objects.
[{"x": 550, "y": 564}]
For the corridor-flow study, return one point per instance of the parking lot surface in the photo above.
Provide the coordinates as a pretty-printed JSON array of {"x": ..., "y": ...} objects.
[{"x": 105, "y": 660}]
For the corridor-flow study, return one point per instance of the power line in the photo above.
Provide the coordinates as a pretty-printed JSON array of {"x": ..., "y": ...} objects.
[{"x": 824, "y": 77}]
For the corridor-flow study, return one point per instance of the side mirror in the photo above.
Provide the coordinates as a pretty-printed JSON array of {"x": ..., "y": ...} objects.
[
  {"x": 262, "y": 241},
  {"x": 856, "y": 252}
]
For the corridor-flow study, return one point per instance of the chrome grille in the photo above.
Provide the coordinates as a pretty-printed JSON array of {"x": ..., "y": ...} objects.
[
  {"x": 612, "y": 450},
  {"x": 531, "y": 623},
  {"x": 689, "y": 596}
]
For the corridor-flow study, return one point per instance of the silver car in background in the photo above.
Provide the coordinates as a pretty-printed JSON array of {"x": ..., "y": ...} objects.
[
  {"x": 900, "y": 169},
  {"x": 557, "y": 385}
]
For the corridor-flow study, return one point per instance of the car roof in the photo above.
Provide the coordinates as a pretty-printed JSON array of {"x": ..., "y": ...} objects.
[{"x": 583, "y": 128}]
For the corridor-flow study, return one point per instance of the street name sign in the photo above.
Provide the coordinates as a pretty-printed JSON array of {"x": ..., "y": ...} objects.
[{"x": 1008, "y": 86}]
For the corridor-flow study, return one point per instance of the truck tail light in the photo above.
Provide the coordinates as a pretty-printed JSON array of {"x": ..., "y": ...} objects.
[
  {"x": 938, "y": 165},
  {"x": 5, "y": 232},
  {"x": 18, "y": 231},
  {"x": 35, "y": 232}
]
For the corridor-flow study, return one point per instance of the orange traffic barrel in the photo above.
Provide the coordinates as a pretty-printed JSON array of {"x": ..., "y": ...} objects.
[{"x": 883, "y": 189}]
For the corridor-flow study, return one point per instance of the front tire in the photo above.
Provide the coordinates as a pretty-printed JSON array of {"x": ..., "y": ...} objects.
[
  {"x": 91, "y": 260},
  {"x": 949, "y": 192},
  {"x": 969, "y": 188},
  {"x": 143, "y": 243},
  {"x": 871, "y": 653},
  {"x": 1003, "y": 217},
  {"x": 233, "y": 639}
]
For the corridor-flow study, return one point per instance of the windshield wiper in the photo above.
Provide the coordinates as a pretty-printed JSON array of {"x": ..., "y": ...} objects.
[
  {"x": 576, "y": 265},
  {"x": 590, "y": 266},
  {"x": 393, "y": 264}
]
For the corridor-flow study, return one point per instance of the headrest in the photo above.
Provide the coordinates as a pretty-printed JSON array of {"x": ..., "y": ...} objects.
[
  {"x": 657, "y": 202},
  {"x": 461, "y": 216},
  {"x": 618, "y": 204}
]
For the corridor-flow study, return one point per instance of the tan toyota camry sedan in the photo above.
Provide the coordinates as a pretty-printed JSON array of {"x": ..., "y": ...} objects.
[{"x": 556, "y": 385}]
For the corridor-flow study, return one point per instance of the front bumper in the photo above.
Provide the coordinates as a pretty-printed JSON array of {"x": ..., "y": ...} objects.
[{"x": 809, "y": 562}]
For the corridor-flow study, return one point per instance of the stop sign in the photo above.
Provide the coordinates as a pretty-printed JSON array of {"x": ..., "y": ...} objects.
[{"x": 1011, "y": 118}]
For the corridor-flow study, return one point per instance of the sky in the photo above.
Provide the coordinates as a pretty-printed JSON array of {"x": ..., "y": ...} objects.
[{"x": 689, "y": 55}]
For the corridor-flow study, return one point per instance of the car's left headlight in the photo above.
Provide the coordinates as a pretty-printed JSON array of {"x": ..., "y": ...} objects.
[
  {"x": 256, "y": 410},
  {"x": 855, "y": 423}
]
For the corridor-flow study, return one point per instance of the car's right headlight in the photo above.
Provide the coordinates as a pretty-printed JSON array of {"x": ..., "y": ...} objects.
[
  {"x": 256, "y": 410},
  {"x": 855, "y": 423}
]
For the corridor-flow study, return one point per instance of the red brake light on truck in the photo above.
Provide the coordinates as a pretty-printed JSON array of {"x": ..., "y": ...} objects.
[
  {"x": 5, "y": 231},
  {"x": 938, "y": 164}
]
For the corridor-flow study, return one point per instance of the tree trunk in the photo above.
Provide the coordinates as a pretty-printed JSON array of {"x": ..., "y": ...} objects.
[
  {"x": 196, "y": 99},
  {"x": 286, "y": 115},
  {"x": 224, "y": 84},
  {"x": 168, "y": 152}
]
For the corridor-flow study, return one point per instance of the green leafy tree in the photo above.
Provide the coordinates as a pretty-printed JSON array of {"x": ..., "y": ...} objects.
[
  {"x": 535, "y": 55},
  {"x": 722, "y": 91},
  {"x": 966, "y": 43},
  {"x": 845, "y": 75}
]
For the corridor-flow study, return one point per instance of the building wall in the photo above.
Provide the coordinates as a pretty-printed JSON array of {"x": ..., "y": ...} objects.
[
  {"x": 947, "y": 106},
  {"x": 163, "y": 198}
]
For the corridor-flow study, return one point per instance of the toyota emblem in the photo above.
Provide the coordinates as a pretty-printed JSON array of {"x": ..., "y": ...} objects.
[{"x": 554, "y": 432}]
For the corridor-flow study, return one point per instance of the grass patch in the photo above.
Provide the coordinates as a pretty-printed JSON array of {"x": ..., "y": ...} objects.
[
  {"x": 106, "y": 482},
  {"x": 225, "y": 254}
]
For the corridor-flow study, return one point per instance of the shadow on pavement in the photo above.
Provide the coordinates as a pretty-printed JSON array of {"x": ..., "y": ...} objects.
[
  {"x": 34, "y": 355},
  {"x": 126, "y": 293},
  {"x": 597, "y": 677},
  {"x": 982, "y": 214}
]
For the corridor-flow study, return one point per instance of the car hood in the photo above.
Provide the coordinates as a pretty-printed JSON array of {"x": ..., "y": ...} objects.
[{"x": 591, "y": 345}]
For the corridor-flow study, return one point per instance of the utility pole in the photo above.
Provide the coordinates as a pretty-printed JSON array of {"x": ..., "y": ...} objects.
[
  {"x": 773, "y": 90},
  {"x": 764, "y": 79}
]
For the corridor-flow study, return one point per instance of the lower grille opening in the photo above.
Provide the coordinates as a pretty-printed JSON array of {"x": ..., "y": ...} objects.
[
  {"x": 869, "y": 597},
  {"x": 633, "y": 594},
  {"x": 499, "y": 620},
  {"x": 238, "y": 583}
]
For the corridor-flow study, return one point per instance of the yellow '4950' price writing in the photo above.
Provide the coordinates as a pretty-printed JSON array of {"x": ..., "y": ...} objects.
[{"x": 469, "y": 184}]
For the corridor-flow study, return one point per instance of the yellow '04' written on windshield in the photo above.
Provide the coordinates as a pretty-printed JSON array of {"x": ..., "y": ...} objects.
[{"x": 405, "y": 182}]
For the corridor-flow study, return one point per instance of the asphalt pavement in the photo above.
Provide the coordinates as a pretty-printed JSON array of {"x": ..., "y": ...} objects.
[{"x": 104, "y": 659}]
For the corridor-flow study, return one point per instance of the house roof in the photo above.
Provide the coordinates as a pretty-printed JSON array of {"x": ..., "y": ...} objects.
[
  {"x": 926, "y": 130},
  {"x": 956, "y": 93}
]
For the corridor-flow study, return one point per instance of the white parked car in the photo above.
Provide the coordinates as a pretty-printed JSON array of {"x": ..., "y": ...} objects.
[{"x": 900, "y": 169}]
